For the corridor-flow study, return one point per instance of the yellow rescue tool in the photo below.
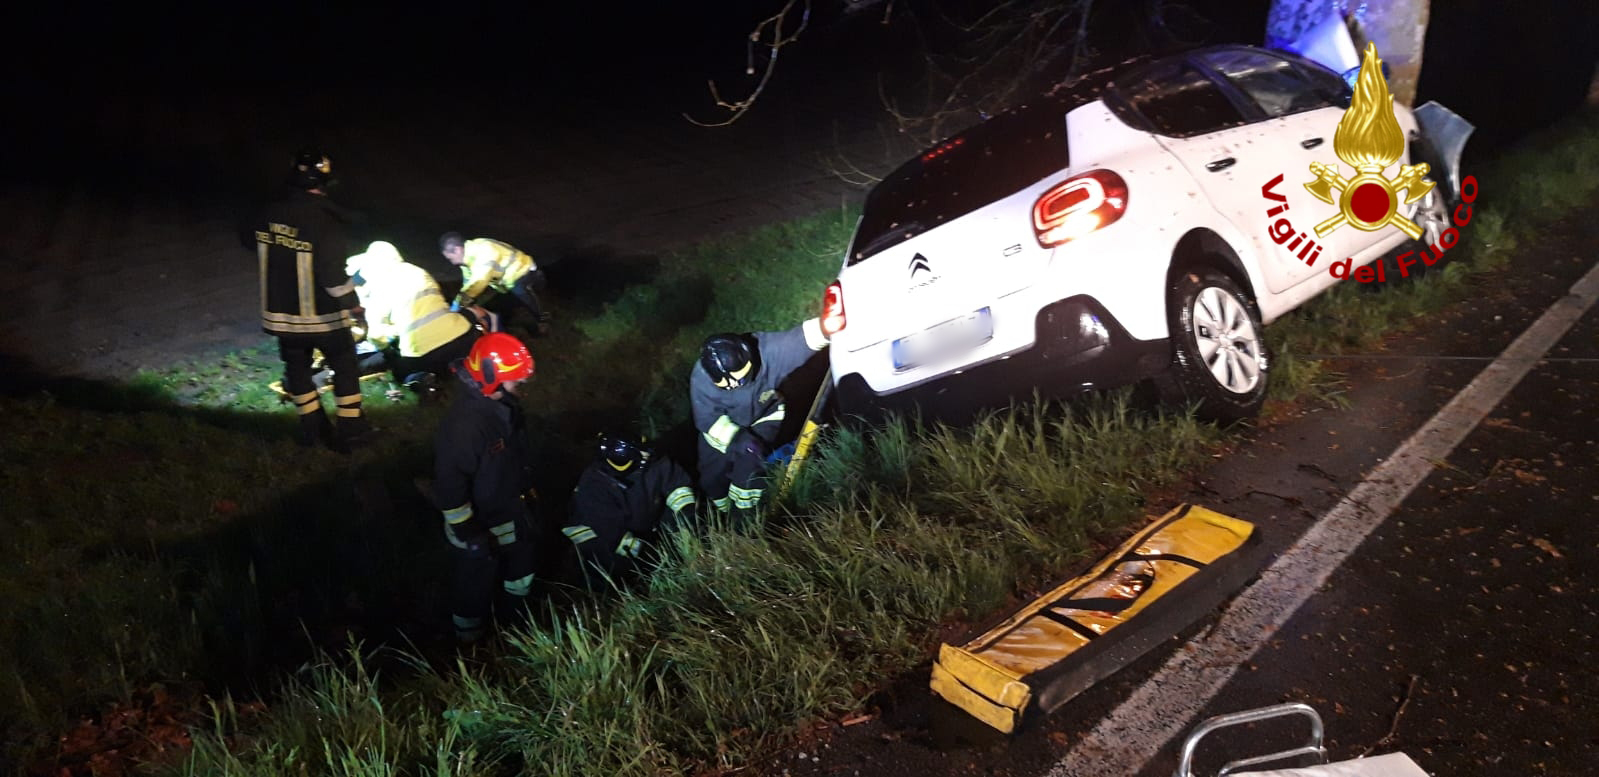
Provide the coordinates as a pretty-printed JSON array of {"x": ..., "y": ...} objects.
[{"x": 1162, "y": 579}]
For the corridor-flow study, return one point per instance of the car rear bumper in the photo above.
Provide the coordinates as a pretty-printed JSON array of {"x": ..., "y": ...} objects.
[{"x": 1079, "y": 347}]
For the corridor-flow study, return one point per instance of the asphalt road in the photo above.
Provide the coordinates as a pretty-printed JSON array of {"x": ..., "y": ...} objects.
[{"x": 1461, "y": 632}]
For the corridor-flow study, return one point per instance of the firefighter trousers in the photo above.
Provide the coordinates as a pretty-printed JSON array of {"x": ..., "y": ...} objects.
[
  {"x": 338, "y": 352},
  {"x": 493, "y": 577},
  {"x": 734, "y": 483},
  {"x": 436, "y": 361},
  {"x": 527, "y": 295}
]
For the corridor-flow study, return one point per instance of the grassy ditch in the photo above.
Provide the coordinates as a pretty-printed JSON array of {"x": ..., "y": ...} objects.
[{"x": 165, "y": 534}]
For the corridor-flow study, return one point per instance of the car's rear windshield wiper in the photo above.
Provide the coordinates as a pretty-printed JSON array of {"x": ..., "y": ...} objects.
[{"x": 895, "y": 235}]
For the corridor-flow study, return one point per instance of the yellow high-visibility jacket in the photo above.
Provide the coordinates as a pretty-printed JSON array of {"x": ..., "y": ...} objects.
[
  {"x": 490, "y": 264},
  {"x": 404, "y": 305}
]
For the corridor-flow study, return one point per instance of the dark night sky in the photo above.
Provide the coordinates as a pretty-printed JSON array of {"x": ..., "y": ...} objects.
[
  {"x": 558, "y": 49},
  {"x": 629, "y": 56}
]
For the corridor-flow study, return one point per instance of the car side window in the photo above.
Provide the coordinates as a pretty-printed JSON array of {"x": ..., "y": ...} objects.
[
  {"x": 1178, "y": 100},
  {"x": 1331, "y": 85},
  {"x": 1274, "y": 84}
]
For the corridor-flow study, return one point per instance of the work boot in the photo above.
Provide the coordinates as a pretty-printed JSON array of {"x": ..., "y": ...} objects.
[
  {"x": 352, "y": 433},
  {"x": 314, "y": 428},
  {"x": 424, "y": 384}
]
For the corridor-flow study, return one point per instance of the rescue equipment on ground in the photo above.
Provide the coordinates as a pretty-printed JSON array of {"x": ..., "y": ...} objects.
[
  {"x": 1156, "y": 583},
  {"x": 808, "y": 434},
  {"x": 1389, "y": 765}
]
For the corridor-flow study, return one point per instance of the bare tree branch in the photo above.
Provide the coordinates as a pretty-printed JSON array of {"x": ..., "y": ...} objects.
[{"x": 773, "y": 25}]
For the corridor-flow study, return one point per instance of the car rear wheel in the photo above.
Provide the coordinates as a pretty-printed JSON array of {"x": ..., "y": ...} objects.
[{"x": 1219, "y": 354}]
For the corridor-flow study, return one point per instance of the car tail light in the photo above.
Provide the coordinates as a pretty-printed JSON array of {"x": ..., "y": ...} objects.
[
  {"x": 1079, "y": 205},
  {"x": 833, "y": 309}
]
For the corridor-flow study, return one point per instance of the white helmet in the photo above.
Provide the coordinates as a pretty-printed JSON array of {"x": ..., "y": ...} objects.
[{"x": 376, "y": 255}]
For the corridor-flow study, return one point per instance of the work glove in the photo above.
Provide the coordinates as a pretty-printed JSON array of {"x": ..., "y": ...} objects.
[
  {"x": 537, "y": 280},
  {"x": 472, "y": 536},
  {"x": 748, "y": 443},
  {"x": 455, "y": 307},
  {"x": 630, "y": 546}
]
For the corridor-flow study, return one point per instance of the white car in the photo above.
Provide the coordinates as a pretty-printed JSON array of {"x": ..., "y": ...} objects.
[{"x": 1105, "y": 234}]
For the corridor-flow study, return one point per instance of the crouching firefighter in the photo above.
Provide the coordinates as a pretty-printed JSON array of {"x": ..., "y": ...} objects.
[
  {"x": 489, "y": 266},
  {"x": 738, "y": 410},
  {"x": 625, "y": 500},
  {"x": 407, "y": 317},
  {"x": 482, "y": 483},
  {"x": 308, "y": 302}
]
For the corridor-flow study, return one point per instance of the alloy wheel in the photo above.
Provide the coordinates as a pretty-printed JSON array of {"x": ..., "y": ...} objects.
[{"x": 1228, "y": 341}]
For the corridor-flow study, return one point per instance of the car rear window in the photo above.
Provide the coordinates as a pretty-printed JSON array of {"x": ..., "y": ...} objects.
[
  {"x": 1178, "y": 101},
  {"x": 985, "y": 163}
]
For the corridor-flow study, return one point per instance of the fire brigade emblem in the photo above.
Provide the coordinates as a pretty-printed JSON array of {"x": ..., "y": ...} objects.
[{"x": 1369, "y": 139}]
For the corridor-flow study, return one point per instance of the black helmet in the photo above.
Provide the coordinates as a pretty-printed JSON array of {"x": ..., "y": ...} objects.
[
  {"x": 729, "y": 360},
  {"x": 312, "y": 169},
  {"x": 621, "y": 452}
]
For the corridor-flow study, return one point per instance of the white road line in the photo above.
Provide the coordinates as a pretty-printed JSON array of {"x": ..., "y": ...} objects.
[{"x": 1131, "y": 735}]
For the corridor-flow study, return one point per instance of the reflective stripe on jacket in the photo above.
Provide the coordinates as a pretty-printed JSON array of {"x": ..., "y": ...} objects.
[
  {"x": 490, "y": 264},
  {"x": 404, "y": 304},
  {"x": 720, "y": 414},
  {"x": 482, "y": 461},
  {"x": 300, "y": 245},
  {"x": 606, "y": 510}
]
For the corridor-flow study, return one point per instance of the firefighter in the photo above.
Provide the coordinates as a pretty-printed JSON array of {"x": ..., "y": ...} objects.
[
  {"x": 492, "y": 266},
  {"x": 738, "y": 410},
  {"x": 308, "y": 302},
  {"x": 624, "y": 501},
  {"x": 407, "y": 317},
  {"x": 483, "y": 484}
]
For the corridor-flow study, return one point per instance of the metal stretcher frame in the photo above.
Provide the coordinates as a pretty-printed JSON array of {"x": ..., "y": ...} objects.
[{"x": 1312, "y": 747}]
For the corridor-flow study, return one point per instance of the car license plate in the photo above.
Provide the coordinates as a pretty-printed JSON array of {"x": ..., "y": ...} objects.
[{"x": 943, "y": 340}]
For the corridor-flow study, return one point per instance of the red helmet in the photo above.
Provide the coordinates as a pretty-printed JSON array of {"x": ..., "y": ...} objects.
[{"x": 496, "y": 358}]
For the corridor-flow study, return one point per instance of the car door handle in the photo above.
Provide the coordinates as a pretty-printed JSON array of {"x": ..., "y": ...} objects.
[
  {"x": 1220, "y": 164},
  {"x": 1310, "y": 142}
]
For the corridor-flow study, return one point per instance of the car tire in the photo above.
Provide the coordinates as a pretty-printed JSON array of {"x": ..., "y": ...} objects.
[{"x": 1220, "y": 360}]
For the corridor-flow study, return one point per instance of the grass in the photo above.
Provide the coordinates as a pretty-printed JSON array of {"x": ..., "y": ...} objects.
[{"x": 166, "y": 529}]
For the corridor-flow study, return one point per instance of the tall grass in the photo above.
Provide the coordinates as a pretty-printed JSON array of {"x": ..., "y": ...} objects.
[
  {"x": 741, "y": 636},
  {"x": 746, "y": 632}
]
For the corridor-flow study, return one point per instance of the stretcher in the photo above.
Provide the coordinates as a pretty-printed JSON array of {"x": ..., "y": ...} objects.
[
  {"x": 1390, "y": 765},
  {"x": 322, "y": 387},
  {"x": 367, "y": 357},
  {"x": 1164, "y": 578}
]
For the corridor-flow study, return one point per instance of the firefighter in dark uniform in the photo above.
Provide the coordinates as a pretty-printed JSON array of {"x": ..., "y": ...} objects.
[
  {"x": 482, "y": 484},
  {"x": 738, "y": 411},
  {"x": 625, "y": 500},
  {"x": 307, "y": 300}
]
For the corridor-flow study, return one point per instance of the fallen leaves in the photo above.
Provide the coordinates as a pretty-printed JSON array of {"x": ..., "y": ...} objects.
[
  {"x": 1547, "y": 547},
  {"x": 1528, "y": 478},
  {"x": 151, "y": 727}
]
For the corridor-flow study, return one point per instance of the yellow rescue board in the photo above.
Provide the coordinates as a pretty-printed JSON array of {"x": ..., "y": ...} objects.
[
  {"x": 277, "y": 385},
  {"x": 1163, "y": 578}
]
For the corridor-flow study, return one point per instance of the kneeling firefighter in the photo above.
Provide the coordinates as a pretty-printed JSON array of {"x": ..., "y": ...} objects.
[
  {"x": 489, "y": 266},
  {"x": 483, "y": 484},
  {"x": 407, "y": 317},
  {"x": 625, "y": 500},
  {"x": 738, "y": 411}
]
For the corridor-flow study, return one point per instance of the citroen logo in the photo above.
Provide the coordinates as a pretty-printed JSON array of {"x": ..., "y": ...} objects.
[{"x": 920, "y": 263}]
